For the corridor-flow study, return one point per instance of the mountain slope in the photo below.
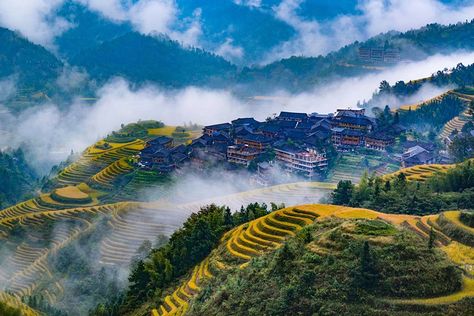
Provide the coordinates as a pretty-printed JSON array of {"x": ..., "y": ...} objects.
[
  {"x": 90, "y": 29},
  {"x": 141, "y": 58},
  {"x": 349, "y": 261},
  {"x": 31, "y": 65},
  {"x": 300, "y": 73}
]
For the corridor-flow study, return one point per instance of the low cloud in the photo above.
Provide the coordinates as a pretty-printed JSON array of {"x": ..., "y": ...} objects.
[
  {"x": 375, "y": 16},
  {"x": 230, "y": 51},
  {"x": 151, "y": 17},
  {"x": 51, "y": 133},
  {"x": 35, "y": 19},
  {"x": 7, "y": 88}
]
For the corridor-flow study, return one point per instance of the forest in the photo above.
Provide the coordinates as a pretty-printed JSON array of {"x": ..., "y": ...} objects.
[{"x": 444, "y": 191}]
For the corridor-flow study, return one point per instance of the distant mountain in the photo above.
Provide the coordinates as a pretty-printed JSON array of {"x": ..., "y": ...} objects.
[
  {"x": 32, "y": 66},
  {"x": 90, "y": 29},
  {"x": 140, "y": 58},
  {"x": 300, "y": 73}
]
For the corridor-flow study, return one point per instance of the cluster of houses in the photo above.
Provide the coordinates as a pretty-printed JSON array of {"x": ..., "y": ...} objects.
[{"x": 297, "y": 142}]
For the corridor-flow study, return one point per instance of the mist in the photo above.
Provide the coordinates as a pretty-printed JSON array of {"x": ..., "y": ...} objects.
[{"x": 49, "y": 133}]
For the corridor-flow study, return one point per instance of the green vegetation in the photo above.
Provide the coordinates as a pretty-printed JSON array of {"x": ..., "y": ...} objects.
[
  {"x": 461, "y": 76},
  {"x": 467, "y": 218},
  {"x": 453, "y": 189},
  {"x": 35, "y": 68},
  {"x": 302, "y": 73},
  {"x": 88, "y": 284},
  {"x": 186, "y": 247},
  {"x": 18, "y": 179},
  {"x": 134, "y": 57},
  {"x": 6, "y": 310},
  {"x": 434, "y": 114},
  {"x": 132, "y": 131},
  {"x": 334, "y": 267}
]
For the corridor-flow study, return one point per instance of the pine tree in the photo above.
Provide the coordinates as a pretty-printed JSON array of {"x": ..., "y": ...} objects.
[
  {"x": 432, "y": 239},
  {"x": 228, "y": 220}
]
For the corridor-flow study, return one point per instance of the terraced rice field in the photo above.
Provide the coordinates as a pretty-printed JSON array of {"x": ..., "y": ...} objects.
[
  {"x": 94, "y": 159},
  {"x": 457, "y": 123},
  {"x": 270, "y": 232},
  {"x": 107, "y": 176},
  {"x": 352, "y": 167},
  {"x": 23, "y": 269},
  {"x": 131, "y": 228},
  {"x": 14, "y": 302},
  {"x": 417, "y": 105},
  {"x": 420, "y": 172}
]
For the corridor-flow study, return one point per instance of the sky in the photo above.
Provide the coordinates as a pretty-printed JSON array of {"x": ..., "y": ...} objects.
[{"x": 38, "y": 21}]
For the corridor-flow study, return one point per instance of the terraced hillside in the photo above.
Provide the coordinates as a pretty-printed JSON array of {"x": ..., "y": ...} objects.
[
  {"x": 420, "y": 172},
  {"x": 97, "y": 158},
  {"x": 268, "y": 233},
  {"x": 14, "y": 302},
  {"x": 130, "y": 229},
  {"x": 39, "y": 228},
  {"x": 352, "y": 166},
  {"x": 33, "y": 237},
  {"x": 417, "y": 105}
]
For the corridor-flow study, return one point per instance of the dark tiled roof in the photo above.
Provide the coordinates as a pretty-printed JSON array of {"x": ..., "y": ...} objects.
[
  {"x": 255, "y": 138},
  {"x": 161, "y": 140},
  {"x": 222, "y": 126},
  {"x": 245, "y": 121},
  {"x": 426, "y": 145},
  {"x": 355, "y": 120},
  {"x": 288, "y": 148},
  {"x": 295, "y": 134},
  {"x": 294, "y": 115},
  {"x": 380, "y": 136},
  {"x": 304, "y": 125}
]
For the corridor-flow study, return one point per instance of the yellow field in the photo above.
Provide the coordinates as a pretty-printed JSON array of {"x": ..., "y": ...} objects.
[
  {"x": 453, "y": 216},
  {"x": 417, "y": 105},
  {"x": 71, "y": 192},
  {"x": 94, "y": 150},
  {"x": 14, "y": 302},
  {"x": 419, "y": 172},
  {"x": 162, "y": 131},
  {"x": 461, "y": 254},
  {"x": 270, "y": 232}
]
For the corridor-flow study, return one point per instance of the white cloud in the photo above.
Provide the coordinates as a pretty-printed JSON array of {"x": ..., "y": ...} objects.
[
  {"x": 230, "y": 51},
  {"x": 52, "y": 133},
  {"x": 7, "y": 88},
  {"x": 35, "y": 19},
  {"x": 402, "y": 15},
  {"x": 377, "y": 16},
  {"x": 151, "y": 17},
  {"x": 249, "y": 3},
  {"x": 111, "y": 9}
]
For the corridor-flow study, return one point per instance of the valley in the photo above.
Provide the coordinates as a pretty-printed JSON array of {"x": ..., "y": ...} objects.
[{"x": 246, "y": 157}]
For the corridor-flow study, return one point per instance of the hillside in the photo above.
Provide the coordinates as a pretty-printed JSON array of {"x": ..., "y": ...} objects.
[
  {"x": 33, "y": 68},
  {"x": 88, "y": 222},
  {"x": 19, "y": 180},
  {"x": 141, "y": 58},
  {"x": 330, "y": 259},
  {"x": 302, "y": 72}
]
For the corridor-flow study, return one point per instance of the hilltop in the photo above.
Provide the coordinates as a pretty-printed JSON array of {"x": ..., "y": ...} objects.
[
  {"x": 327, "y": 259},
  {"x": 140, "y": 58}
]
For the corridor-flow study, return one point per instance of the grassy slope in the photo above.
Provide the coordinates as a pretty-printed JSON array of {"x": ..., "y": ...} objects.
[{"x": 315, "y": 270}]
